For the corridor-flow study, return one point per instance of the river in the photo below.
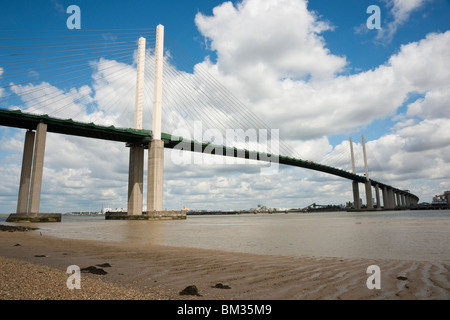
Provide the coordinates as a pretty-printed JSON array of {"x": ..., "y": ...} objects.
[{"x": 410, "y": 235}]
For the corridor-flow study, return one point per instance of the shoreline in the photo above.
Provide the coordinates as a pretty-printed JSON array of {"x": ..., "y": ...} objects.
[{"x": 161, "y": 272}]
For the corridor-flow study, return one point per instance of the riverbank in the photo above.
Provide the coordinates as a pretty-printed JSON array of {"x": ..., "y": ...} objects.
[{"x": 143, "y": 271}]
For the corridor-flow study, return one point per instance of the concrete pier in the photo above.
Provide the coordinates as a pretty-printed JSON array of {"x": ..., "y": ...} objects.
[
  {"x": 397, "y": 200},
  {"x": 31, "y": 180},
  {"x": 136, "y": 180},
  {"x": 155, "y": 176},
  {"x": 36, "y": 217},
  {"x": 356, "y": 201},
  {"x": 391, "y": 199},
  {"x": 385, "y": 198},
  {"x": 368, "y": 185},
  {"x": 38, "y": 168},
  {"x": 369, "y": 200},
  {"x": 151, "y": 215},
  {"x": 377, "y": 196},
  {"x": 25, "y": 175}
]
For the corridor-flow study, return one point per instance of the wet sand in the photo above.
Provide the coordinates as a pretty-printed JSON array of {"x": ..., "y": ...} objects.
[{"x": 140, "y": 271}]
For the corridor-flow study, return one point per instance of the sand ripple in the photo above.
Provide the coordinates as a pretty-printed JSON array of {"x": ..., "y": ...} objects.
[{"x": 159, "y": 272}]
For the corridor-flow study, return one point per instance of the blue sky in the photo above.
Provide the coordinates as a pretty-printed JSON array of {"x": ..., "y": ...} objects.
[
  {"x": 178, "y": 18},
  {"x": 323, "y": 101}
]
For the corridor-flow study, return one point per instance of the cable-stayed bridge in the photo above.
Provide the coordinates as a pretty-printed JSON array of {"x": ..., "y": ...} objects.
[{"x": 85, "y": 87}]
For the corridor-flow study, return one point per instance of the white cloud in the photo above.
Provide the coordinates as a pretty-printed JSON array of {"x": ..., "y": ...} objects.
[
  {"x": 114, "y": 93},
  {"x": 424, "y": 65},
  {"x": 272, "y": 38},
  {"x": 309, "y": 108},
  {"x": 400, "y": 10},
  {"x": 272, "y": 56},
  {"x": 312, "y": 108},
  {"x": 59, "y": 7},
  {"x": 83, "y": 170},
  {"x": 434, "y": 105},
  {"x": 45, "y": 98}
]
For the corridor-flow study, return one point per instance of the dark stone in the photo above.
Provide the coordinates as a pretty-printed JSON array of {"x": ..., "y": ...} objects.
[
  {"x": 402, "y": 278},
  {"x": 149, "y": 215},
  {"x": 221, "y": 286},
  {"x": 40, "y": 256},
  {"x": 93, "y": 270},
  {"x": 17, "y": 245},
  {"x": 15, "y": 228},
  {"x": 104, "y": 265},
  {"x": 38, "y": 217},
  {"x": 190, "y": 291}
]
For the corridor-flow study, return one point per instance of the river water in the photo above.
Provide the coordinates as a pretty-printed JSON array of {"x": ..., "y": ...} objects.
[{"x": 409, "y": 235}]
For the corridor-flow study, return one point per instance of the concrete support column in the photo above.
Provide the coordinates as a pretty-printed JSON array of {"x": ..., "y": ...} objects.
[
  {"x": 25, "y": 175},
  {"x": 356, "y": 201},
  {"x": 391, "y": 199},
  {"x": 38, "y": 168},
  {"x": 397, "y": 200},
  {"x": 155, "y": 176},
  {"x": 369, "y": 199},
  {"x": 394, "y": 199},
  {"x": 377, "y": 195},
  {"x": 385, "y": 198},
  {"x": 402, "y": 199},
  {"x": 135, "y": 180}
]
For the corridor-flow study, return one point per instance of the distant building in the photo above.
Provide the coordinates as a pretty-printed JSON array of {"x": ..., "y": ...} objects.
[{"x": 442, "y": 199}]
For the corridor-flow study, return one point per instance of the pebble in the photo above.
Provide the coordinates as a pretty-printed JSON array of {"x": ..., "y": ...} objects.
[{"x": 22, "y": 280}]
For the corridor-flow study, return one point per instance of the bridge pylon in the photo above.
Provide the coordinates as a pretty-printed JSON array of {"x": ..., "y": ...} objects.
[
  {"x": 368, "y": 184},
  {"x": 136, "y": 166},
  {"x": 155, "y": 171},
  {"x": 355, "y": 186}
]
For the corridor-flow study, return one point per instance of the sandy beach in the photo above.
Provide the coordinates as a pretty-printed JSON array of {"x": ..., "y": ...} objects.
[{"x": 33, "y": 265}]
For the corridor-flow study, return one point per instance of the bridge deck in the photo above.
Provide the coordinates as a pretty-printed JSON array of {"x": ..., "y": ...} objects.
[{"x": 18, "y": 119}]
